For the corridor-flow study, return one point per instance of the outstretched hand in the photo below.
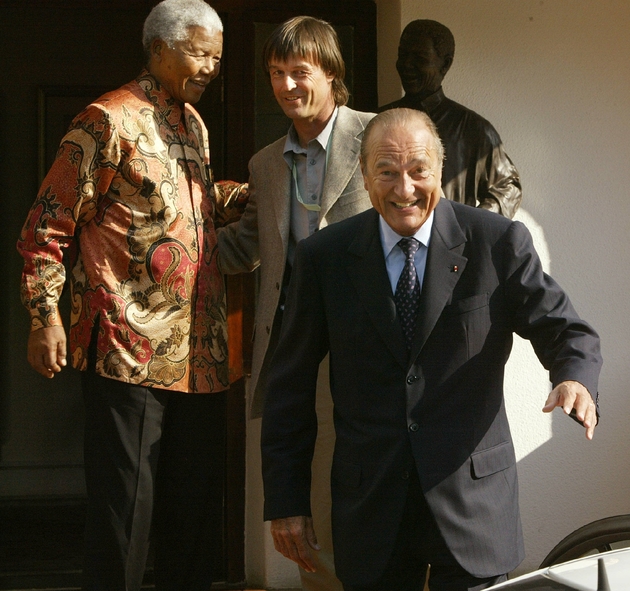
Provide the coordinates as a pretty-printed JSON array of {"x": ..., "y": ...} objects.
[
  {"x": 47, "y": 350},
  {"x": 294, "y": 537},
  {"x": 573, "y": 396}
]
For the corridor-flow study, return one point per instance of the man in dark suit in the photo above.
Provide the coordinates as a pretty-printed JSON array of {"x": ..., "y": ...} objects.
[{"x": 424, "y": 469}]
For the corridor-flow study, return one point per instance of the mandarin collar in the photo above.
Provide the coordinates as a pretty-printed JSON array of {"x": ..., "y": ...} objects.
[
  {"x": 432, "y": 101},
  {"x": 160, "y": 99}
]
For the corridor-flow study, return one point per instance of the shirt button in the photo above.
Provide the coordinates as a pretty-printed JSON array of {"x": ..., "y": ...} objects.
[
  {"x": 312, "y": 161},
  {"x": 412, "y": 379},
  {"x": 405, "y": 475},
  {"x": 414, "y": 427}
]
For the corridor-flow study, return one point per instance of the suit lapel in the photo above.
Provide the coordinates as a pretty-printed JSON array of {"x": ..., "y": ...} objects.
[
  {"x": 277, "y": 177},
  {"x": 345, "y": 146},
  {"x": 445, "y": 264},
  {"x": 368, "y": 273}
]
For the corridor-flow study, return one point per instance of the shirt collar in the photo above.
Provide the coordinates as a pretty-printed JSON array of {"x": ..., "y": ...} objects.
[
  {"x": 428, "y": 105},
  {"x": 292, "y": 143},
  {"x": 160, "y": 99},
  {"x": 433, "y": 100},
  {"x": 389, "y": 238}
]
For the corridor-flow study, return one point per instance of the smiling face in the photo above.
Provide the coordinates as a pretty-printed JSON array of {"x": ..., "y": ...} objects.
[
  {"x": 185, "y": 69},
  {"x": 302, "y": 89},
  {"x": 402, "y": 173},
  {"x": 419, "y": 66}
]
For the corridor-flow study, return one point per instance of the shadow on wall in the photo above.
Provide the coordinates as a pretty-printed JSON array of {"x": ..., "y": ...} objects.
[{"x": 559, "y": 469}]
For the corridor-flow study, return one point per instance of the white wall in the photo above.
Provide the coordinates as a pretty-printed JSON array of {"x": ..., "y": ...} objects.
[{"x": 553, "y": 78}]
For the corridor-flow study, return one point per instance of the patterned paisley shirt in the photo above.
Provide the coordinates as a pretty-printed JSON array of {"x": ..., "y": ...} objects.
[{"x": 130, "y": 194}]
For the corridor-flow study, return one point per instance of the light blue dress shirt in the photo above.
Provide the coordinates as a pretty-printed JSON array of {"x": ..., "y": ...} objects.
[
  {"x": 308, "y": 173},
  {"x": 394, "y": 256}
]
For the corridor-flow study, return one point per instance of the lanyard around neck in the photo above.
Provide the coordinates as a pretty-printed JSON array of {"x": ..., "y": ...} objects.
[{"x": 298, "y": 194}]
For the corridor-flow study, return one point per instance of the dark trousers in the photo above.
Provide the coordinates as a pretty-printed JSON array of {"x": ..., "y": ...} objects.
[
  {"x": 154, "y": 466},
  {"x": 419, "y": 544}
]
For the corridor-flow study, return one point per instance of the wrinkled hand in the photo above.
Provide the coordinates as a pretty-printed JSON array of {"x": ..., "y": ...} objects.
[
  {"x": 574, "y": 396},
  {"x": 294, "y": 537},
  {"x": 47, "y": 350}
]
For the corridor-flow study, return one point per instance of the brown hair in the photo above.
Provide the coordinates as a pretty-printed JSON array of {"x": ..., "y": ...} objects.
[{"x": 310, "y": 38}]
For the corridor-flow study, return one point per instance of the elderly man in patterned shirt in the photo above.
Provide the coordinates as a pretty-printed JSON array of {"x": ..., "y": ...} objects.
[{"x": 131, "y": 195}]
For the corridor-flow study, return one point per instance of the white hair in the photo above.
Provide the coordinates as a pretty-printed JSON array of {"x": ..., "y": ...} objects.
[
  {"x": 401, "y": 118},
  {"x": 171, "y": 19}
]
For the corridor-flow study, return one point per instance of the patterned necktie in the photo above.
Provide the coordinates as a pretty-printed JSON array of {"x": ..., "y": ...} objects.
[{"x": 407, "y": 294}]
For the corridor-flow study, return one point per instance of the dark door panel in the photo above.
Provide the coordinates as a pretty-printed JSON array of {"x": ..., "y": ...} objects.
[{"x": 57, "y": 55}]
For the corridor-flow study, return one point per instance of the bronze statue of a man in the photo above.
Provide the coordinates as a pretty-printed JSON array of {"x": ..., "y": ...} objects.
[{"x": 477, "y": 171}]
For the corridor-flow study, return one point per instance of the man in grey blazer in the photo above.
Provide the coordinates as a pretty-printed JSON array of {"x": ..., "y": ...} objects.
[
  {"x": 305, "y": 181},
  {"x": 416, "y": 302}
]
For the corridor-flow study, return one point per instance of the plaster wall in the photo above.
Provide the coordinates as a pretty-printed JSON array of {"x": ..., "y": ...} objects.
[{"x": 553, "y": 79}]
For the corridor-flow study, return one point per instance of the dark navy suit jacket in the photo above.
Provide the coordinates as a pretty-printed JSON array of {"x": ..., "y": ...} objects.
[{"x": 439, "y": 410}]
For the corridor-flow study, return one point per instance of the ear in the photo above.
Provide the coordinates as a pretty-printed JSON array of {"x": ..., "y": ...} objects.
[
  {"x": 157, "y": 47},
  {"x": 446, "y": 65},
  {"x": 363, "y": 172}
]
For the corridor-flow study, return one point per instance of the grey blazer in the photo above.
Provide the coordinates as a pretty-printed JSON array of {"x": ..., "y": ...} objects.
[{"x": 262, "y": 234}]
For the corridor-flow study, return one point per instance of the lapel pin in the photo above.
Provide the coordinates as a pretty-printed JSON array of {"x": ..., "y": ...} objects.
[{"x": 454, "y": 268}]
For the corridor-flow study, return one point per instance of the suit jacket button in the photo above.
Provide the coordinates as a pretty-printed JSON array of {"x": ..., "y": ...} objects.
[
  {"x": 412, "y": 379},
  {"x": 267, "y": 329},
  {"x": 277, "y": 286},
  {"x": 414, "y": 427},
  {"x": 405, "y": 475}
]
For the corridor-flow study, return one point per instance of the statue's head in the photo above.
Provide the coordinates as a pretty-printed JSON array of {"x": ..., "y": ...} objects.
[{"x": 425, "y": 54}]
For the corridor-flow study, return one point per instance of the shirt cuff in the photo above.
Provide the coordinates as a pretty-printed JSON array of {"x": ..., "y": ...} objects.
[{"x": 41, "y": 319}]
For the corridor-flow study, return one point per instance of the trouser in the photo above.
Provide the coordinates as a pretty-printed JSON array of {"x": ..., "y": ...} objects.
[
  {"x": 419, "y": 544},
  {"x": 154, "y": 465},
  {"x": 324, "y": 578}
]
